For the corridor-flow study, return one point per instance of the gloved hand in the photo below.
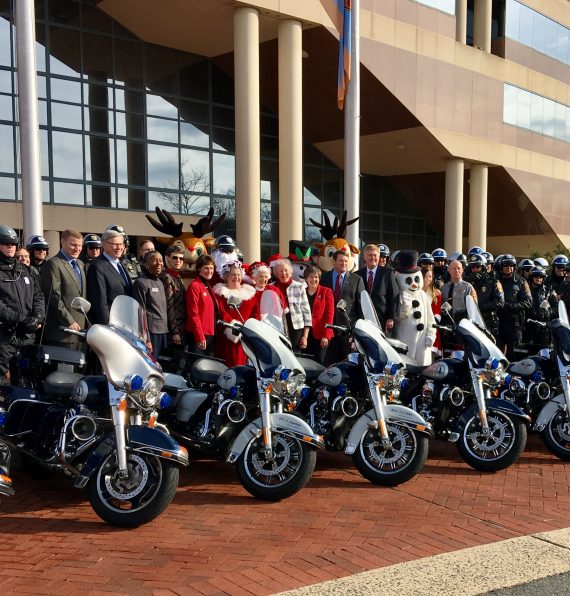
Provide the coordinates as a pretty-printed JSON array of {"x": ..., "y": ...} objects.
[
  {"x": 429, "y": 341},
  {"x": 406, "y": 299},
  {"x": 29, "y": 325}
]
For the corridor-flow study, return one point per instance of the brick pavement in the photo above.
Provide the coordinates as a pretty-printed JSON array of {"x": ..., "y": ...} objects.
[{"x": 216, "y": 539}]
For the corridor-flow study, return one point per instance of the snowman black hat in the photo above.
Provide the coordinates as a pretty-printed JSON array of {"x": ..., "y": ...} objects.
[{"x": 408, "y": 261}]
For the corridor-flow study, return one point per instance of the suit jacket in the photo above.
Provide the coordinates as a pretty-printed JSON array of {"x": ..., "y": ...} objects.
[
  {"x": 60, "y": 286},
  {"x": 104, "y": 284},
  {"x": 322, "y": 312},
  {"x": 352, "y": 287},
  {"x": 384, "y": 291}
]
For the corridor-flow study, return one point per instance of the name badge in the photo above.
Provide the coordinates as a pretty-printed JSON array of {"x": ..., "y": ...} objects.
[
  {"x": 27, "y": 281},
  {"x": 154, "y": 289}
]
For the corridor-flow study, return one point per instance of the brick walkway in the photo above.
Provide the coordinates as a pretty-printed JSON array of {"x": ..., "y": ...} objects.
[{"x": 216, "y": 539}]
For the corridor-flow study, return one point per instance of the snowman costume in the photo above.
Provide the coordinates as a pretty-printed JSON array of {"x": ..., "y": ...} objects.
[{"x": 414, "y": 318}]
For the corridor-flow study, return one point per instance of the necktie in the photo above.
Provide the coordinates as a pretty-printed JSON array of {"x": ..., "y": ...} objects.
[
  {"x": 124, "y": 275},
  {"x": 337, "y": 287},
  {"x": 77, "y": 271},
  {"x": 450, "y": 295},
  {"x": 370, "y": 281}
]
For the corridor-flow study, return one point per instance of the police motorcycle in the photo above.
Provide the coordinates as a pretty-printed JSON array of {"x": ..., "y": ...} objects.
[
  {"x": 540, "y": 385},
  {"x": 353, "y": 405},
  {"x": 101, "y": 430},
  {"x": 237, "y": 414},
  {"x": 458, "y": 396}
]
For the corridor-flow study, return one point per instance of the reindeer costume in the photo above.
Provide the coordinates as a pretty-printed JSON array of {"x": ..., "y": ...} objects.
[{"x": 335, "y": 240}]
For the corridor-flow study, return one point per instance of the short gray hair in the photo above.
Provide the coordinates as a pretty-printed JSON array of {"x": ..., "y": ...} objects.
[
  {"x": 107, "y": 234},
  {"x": 283, "y": 263}
]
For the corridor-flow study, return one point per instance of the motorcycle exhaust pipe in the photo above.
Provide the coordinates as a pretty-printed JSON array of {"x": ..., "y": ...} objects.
[
  {"x": 347, "y": 405},
  {"x": 83, "y": 428},
  {"x": 541, "y": 390},
  {"x": 234, "y": 410}
]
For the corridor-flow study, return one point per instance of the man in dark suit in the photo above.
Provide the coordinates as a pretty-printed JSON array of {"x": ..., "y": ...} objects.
[
  {"x": 348, "y": 287},
  {"x": 380, "y": 282},
  {"x": 62, "y": 279},
  {"x": 106, "y": 278}
]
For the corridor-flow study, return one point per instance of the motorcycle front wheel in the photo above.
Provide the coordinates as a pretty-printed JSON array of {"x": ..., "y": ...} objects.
[
  {"x": 139, "y": 497},
  {"x": 282, "y": 475},
  {"x": 395, "y": 465},
  {"x": 556, "y": 435},
  {"x": 497, "y": 451}
]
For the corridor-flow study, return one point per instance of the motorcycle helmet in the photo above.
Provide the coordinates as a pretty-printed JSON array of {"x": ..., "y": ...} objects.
[
  {"x": 225, "y": 243},
  {"x": 92, "y": 241},
  {"x": 538, "y": 272},
  {"x": 476, "y": 260},
  {"x": 475, "y": 250},
  {"x": 508, "y": 260},
  {"x": 526, "y": 265},
  {"x": 489, "y": 257},
  {"x": 541, "y": 262},
  {"x": 384, "y": 250},
  {"x": 560, "y": 261},
  {"x": 425, "y": 259},
  {"x": 439, "y": 255},
  {"x": 8, "y": 236},
  {"x": 37, "y": 243},
  {"x": 458, "y": 256},
  {"x": 395, "y": 262}
]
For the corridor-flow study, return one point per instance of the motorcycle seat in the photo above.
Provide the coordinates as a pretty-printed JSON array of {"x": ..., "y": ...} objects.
[
  {"x": 312, "y": 368},
  {"x": 61, "y": 383},
  {"x": 411, "y": 365},
  {"x": 207, "y": 370}
]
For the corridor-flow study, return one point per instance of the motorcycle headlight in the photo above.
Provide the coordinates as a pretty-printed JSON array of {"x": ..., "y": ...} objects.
[
  {"x": 151, "y": 392},
  {"x": 289, "y": 382}
]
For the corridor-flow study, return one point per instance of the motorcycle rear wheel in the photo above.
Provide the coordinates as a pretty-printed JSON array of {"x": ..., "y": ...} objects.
[
  {"x": 288, "y": 472},
  {"x": 388, "y": 467},
  {"x": 556, "y": 435},
  {"x": 139, "y": 498},
  {"x": 500, "y": 449}
]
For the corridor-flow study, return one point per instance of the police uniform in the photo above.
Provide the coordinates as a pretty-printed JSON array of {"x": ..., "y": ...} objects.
[
  {"x": 536, "y": 334},
  {"x": 490, "y": 297},
  {"x": 132, "y": 267},
  {"x": 518, "y": 300}
]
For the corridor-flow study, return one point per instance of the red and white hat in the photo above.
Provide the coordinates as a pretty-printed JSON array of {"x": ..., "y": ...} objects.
[{"x": 273, "y": 259}]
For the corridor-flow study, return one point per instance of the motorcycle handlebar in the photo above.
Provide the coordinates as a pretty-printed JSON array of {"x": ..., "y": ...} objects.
[
  {"x": 535, "y": 322},
  {"x": 234, "y": 326},
  {"x": 75, "y": 332},
  {"x": 337, "y": 327}
]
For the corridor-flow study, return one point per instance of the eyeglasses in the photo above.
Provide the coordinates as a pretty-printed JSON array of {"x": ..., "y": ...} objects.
[
  {"x": 114, "y": 244},
  {"x": 176, "y": 258}
]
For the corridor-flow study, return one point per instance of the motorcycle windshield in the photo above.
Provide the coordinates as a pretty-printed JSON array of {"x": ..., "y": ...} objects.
[
  {"x": 368, "y": 310},
  {"x": 372, "y": 344},
  {"x": 267, "y": 348},
  {"x": 128, "y": 318},
  {"x": 561, "y": 336},
  {"x": 478, "y": 343},
  {"x": 474, "y": 313},
  {"x": 562, "y": 312},
  {"x": 272, "y": 310}
]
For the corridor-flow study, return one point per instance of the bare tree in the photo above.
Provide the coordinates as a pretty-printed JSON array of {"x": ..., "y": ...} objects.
[{"x": 190, "y": 197}]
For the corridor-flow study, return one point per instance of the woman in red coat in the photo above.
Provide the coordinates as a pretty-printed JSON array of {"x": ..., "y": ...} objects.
[
  {"x": 321, "y": 300},
  {"x": 201, "y": 309},
  {"x": 228, "y": 346}
]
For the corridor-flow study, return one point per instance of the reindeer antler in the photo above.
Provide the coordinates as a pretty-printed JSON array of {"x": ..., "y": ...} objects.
[
  {"x": 327, "y": 231},
  {"x": 167, "y": 224},
  {"x": 204, "y": 225},
  {"x": 341, "y": 231}
]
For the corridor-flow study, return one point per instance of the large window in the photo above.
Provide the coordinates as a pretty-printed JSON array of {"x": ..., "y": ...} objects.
[
  {"x": 536, "y": 113},
  {"x": 537, "y": 31}
]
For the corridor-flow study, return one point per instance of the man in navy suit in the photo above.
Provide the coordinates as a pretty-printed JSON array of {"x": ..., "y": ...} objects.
[
  {"x": 380, "y": 282},
  {"x": 348, "y": 287},
  {"x": 106, "y": 278}
]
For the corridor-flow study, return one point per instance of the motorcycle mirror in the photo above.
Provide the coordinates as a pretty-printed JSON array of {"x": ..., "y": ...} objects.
[
  {"x": 446, "y": 307},
  {"x": 81, "y": 305},
  {"x": 437, "y": 318},
  {"x": 545, "y": 304},
  {"x": 234, "y": 301},
  {"x": 341, "y": 304}
]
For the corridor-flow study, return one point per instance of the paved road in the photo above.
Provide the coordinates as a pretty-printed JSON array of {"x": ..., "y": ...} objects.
[{"x": 216, "y": 539}]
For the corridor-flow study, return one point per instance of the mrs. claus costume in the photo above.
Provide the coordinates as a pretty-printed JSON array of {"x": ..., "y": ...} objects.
[{"x": 228, "y": 346}]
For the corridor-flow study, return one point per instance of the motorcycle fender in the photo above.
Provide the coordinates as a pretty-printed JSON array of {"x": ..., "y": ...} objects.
[
  {"x": 407, "y": 417},
  {"x": 356, "y": 432},
  {"x": 142, "y": 439},
  {"x": 285, "y": 424},
  {"x": 551, "y": 407},
  {"x": 499, "y": 405}
]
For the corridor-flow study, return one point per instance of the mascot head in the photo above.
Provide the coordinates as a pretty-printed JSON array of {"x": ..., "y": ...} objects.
[
  {"x": 300, "y": 256},
  {"x": 408, "y": 274}
]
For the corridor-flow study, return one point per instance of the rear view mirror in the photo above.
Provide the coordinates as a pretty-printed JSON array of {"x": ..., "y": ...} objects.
[
  {"x": 446, "y": 307},
  {"x": 234, "y": 301},
  {"x": 545, "y": 304},
  {"x": 81, "y": 305},
  {"x": 341, "y": 304}
]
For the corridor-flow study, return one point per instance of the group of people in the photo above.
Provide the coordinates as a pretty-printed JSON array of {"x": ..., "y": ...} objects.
[{"x": 36, "y": 293}]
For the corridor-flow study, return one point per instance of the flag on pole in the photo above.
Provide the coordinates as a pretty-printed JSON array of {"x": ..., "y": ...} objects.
[{"x": 340, "y": 13}]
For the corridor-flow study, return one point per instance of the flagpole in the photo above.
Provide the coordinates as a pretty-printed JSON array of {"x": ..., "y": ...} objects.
[{"x": 352, "y": 133}]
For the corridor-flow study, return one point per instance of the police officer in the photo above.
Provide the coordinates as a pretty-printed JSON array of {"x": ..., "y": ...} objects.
[
  {"x": 524, "y": 269},
  {"x": 92, "y": 247},
  {"x": 518, "y": 300},
  {"x": 490, "y": 297},
  {"x": 425, "y": 261},
  {"x": 129, "y": 262},
  {"x": 544, "y": 309},
  {"x": 440, "y": 275},
  {"x": 558, "y": 274},
  {"x": 21, "y": 302},
  {"x": 490, "y": 261},
  {"x": 38, "y": 248}
]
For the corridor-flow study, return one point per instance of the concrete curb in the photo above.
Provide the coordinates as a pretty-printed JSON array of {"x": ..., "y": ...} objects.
[{"x": 469, "y": 571}]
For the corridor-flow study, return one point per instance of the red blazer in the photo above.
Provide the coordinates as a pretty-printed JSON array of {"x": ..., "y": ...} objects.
[
  {"x": 323, "y": 312},
  {"x": 200, "y": 311}
]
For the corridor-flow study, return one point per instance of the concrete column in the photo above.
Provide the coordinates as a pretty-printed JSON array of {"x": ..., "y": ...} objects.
[
  {"x": 248, "y": 177},
  {"x": 290, "y": 133},
  {"x": 482, "y": 24},
  {"x": 461, "y": 21},
  {"x": 453, "y": 232},
  {"x": 478, "y": 183},
  {"x": 52, "y": 237}
]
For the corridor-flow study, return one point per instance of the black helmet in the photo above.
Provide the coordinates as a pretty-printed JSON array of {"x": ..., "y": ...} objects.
[
  {"x": 225, "y": 242},
  {"x": 476, "y": 260},
  {"x": 439, "y": 254},
  {"x": 508, "y": 260},
  {"x": 538, "y": 272},
  {"x": 37, "y": 243},
  {"x": 458, "y": 256},
  {"x": 92, "y": 241},
  {"x": 425, "y": 259},
  {"x": 475, "y": 250},
  {"x": 8, "y": 235},
  {"x": 489, "y": 257},
  {"x": 526, "y": 265},
  {"x": 560, "y": 261},
  {"x": 384, "y": 250}
]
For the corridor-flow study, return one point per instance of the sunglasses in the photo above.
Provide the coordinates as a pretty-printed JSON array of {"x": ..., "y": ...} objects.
[{"x": 176, "y": 258}]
